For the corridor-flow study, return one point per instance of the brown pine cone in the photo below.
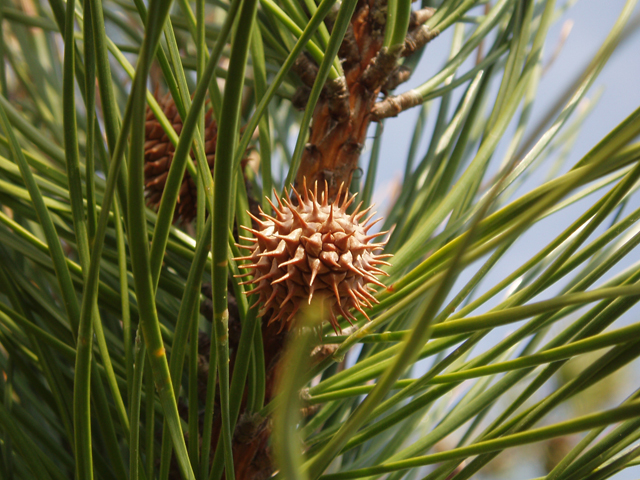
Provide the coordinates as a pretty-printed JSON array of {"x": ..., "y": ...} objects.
[{"x": 158, "y": 155}]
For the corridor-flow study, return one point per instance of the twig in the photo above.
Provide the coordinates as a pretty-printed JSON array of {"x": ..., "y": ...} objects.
[
  {"x": 418, "y": 38},
  {"x": 380, "y": 67},
  {"x": 306, "y": 69},
  {"x": 392, "y": 106},
  {"x": 418, "y": 17}
]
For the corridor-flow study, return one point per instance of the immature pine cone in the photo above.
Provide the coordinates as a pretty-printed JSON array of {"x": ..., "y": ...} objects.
[
  {"x": 158, "y": 155},
  {"x": 313, "y": 248}
]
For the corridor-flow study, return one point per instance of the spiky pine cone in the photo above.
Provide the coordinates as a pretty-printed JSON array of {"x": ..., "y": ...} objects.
[
  {"x": 158, "y": 155},
  {"x": 313, "y": 248}
]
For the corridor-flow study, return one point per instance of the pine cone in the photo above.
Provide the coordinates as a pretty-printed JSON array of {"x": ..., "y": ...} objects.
[
  {"x": 158, "y": 155},
  {"x": 313, "y": 248}
]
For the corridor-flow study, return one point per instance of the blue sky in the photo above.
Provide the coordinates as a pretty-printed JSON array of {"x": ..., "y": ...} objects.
[{"x": 620, "y": 80}]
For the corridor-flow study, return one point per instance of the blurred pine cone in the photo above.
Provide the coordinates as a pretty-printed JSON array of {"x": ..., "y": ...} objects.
[{"x": 158, "y": 155}]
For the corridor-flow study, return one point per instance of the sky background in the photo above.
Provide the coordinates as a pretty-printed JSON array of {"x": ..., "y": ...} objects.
[
  {"x": 618, "y": 88},
  {"x": 620, "y": 82}
]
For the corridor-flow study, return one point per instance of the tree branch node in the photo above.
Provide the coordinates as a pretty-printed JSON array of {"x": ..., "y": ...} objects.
[{"x": 392, "y": 106}]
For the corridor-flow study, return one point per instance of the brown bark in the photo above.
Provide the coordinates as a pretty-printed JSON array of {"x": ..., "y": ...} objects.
[
  {"x": 335, "y": 141},
  {"x": 340, "y": 122}
]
